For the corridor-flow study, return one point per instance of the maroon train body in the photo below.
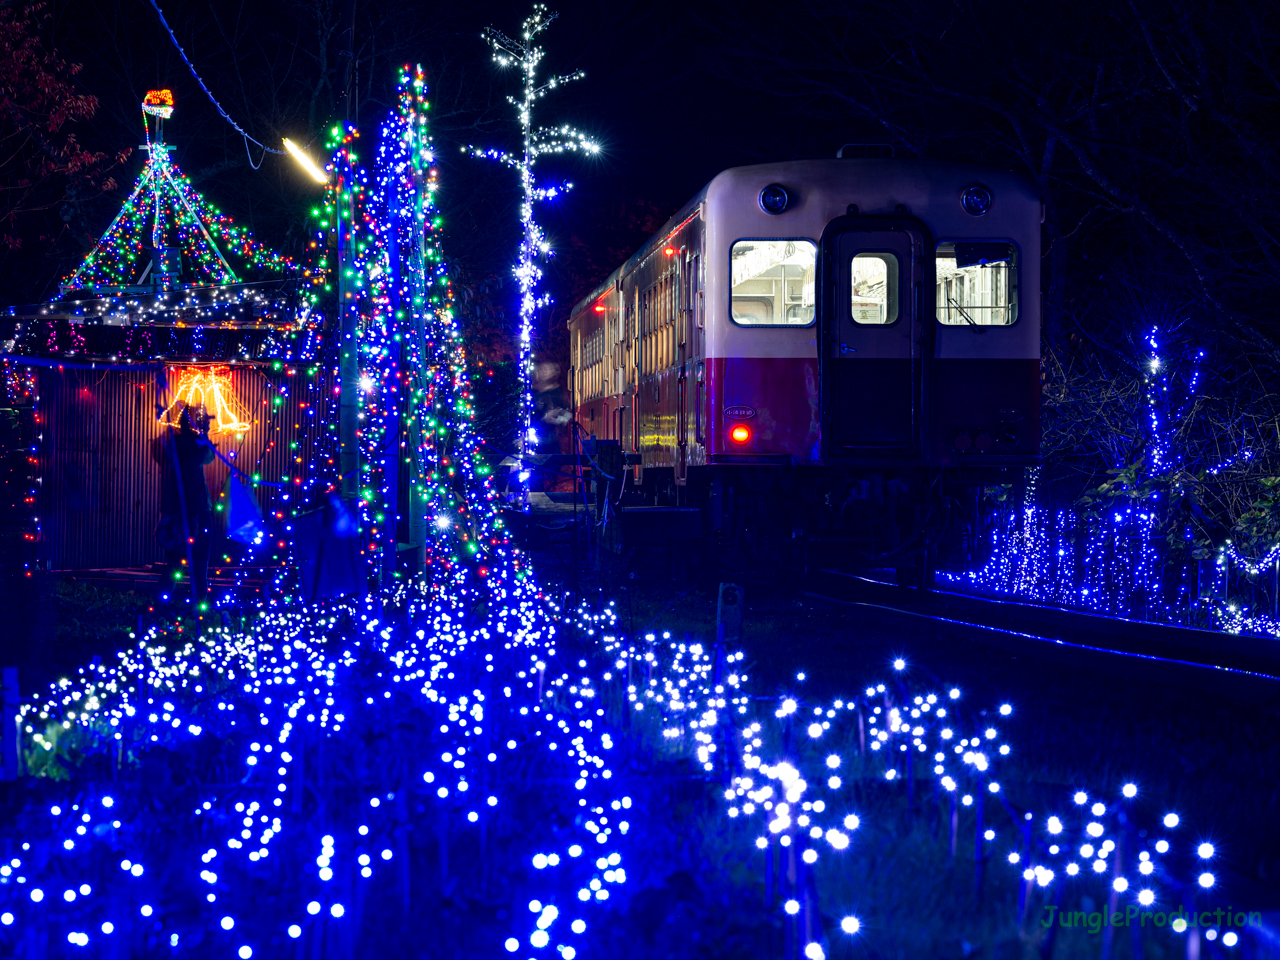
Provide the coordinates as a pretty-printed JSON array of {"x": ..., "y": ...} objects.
[{"x": 828, "y": 358}]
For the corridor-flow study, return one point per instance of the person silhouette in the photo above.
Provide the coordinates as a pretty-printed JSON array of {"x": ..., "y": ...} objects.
[{"x": 185, "y": 531}]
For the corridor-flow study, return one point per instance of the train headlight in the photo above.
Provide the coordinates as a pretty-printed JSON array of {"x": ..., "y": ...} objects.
[
  {"x": 774, "y": 199},
  {"x": 976, "y": 200},
  {"x": 740, "y": 433}
]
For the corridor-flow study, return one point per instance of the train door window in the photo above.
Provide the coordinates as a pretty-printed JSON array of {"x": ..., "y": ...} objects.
[
  {"x": 645, "y": 308},
  {"x": 632, "y": 358},
  {"x": 664, "y": 314},
  {"x": 660, "y": 328},
  {"x": 695, "y": 288},
  {"x": 874, "y": 288},
  {"x": 673, "y": 332},
  {"x": 642, "y": 334},
  {"x": 977, "y": 283},
  {"x": 772, "y": 282},
  {"x": 674, "y": 311},
  {"x": 655, "y": 313}
]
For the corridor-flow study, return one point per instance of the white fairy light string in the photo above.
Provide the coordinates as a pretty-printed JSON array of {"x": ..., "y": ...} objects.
[
  {"x": 799, "y": 803},
  {"x": 536, "y": 142},
  {"x": 282, "y": 680}
]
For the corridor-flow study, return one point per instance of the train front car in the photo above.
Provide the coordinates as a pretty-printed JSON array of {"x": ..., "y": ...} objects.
[{"x": 857, "y": 346}]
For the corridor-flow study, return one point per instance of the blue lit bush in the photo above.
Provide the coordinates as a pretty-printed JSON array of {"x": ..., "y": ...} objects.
[{"x": 1166, "y": 530}]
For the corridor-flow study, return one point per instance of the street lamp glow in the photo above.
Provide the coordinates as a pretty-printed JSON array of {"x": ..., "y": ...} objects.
[{"x": 294, "y": 151}]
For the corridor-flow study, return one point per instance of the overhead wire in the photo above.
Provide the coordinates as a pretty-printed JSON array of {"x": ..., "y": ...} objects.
[{"x": 212, "y": 99}]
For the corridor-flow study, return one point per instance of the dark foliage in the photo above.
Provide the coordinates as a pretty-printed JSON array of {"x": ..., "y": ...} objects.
[{"x": 46, "y": 175}]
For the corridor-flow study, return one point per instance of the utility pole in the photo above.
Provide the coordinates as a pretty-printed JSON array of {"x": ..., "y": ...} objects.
[
  {"x": 391, "y": 439},
  {"x": 406, "y": 200},
  {"x": 525, "y": 54}
]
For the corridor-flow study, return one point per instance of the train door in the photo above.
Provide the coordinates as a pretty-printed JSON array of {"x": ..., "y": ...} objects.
[
  {"x": 635, "y": 366},
  {"x": 873, "y": 333}
]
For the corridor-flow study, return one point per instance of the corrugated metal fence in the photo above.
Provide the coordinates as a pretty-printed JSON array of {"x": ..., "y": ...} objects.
[{"x": 99, "y": 489}]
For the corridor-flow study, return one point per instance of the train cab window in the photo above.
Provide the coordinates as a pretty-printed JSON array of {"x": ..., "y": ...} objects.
[
  {"x": 874, "y": 288},
  {"x": 977, "y": 283},
  {"x": 773, "y": 282}
]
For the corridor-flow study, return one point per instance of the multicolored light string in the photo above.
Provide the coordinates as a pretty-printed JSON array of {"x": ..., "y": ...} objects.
[{"x": 165, "y": 213}]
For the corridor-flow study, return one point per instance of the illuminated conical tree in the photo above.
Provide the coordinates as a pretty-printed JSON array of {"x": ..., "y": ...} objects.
[
  {"x": 422, "y": 474},
  {"x": 165, "y": 222}
]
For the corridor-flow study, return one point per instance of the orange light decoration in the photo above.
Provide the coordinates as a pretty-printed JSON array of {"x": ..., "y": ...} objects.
[
  {"x": 158, "y": 103},
  {"x": 599, "y": 308},
  {"x": 210, "y": 388},
  {"x": 740, "y": 433},
  {"x": 670, "y": 251}
]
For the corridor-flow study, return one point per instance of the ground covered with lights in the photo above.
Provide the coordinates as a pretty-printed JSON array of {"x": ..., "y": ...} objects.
[{"x": 520, "y": 779}]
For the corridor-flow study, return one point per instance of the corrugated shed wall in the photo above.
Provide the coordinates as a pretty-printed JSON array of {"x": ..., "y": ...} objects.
[{"x": 99, "y": 498}]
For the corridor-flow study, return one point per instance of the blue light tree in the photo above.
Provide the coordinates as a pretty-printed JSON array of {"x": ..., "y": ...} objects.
[{"x": 1132, "y": 544}]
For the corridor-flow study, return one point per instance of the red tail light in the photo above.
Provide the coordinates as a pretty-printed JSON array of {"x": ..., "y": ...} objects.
[{"x": 740, "y": 433}]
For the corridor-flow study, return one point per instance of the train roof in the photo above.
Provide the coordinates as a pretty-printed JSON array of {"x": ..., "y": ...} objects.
[
  {"x": 645, "y": 251},
  {"x": 864, "y": 164}
]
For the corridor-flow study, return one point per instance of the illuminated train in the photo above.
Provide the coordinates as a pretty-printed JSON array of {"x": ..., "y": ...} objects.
[{"x": 828, "y": 358}]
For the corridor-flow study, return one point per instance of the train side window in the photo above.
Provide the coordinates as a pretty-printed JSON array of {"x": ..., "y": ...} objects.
[
  {"x": 772, "y": 282},
  {"x": 977, "y": 283},
  {"x": 874, "y": 288}
]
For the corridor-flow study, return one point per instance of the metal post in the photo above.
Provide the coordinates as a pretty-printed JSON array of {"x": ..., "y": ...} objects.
[
  {"x": 348, "y": 350},
  {"x": 911, "y": 781},
  {"x": 9, "y": 752},
  {"x": 954, "y": 820},
  {"x": 391, "y": 442},
  {"x": 979, "y": 859},
  {"x": 729, "y": 615},
  {"x": 1024, "y": 888}
]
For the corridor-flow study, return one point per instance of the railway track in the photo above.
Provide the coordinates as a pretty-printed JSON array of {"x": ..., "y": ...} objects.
[
  {"x": 1248, "y": 666},
  {"x": 1235, "y": 664}
]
